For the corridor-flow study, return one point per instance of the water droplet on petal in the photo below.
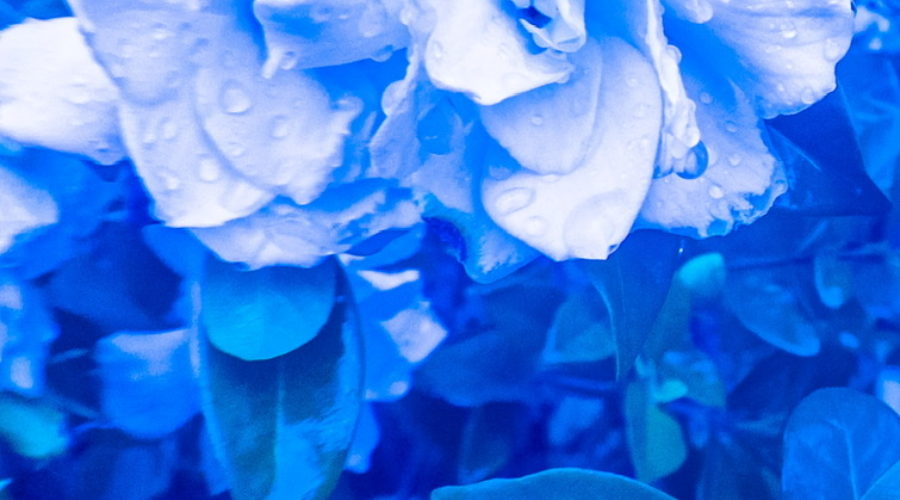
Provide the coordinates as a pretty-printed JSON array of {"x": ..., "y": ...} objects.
[
  {"x": 208, "y": 169},
  {"x": 234, "y": 98},
  {"x": 513, "y": 199},
  {"x": 280, "y": 127},
  {"x": 537, "y": 120},
  {"x": 696, "y": 163},
  {"x": 715, "y": 192},
  {"x": 536, "y": 225},
  {"x": 706, "y": 98},
  {"x": 734, "y": 160},
  {"x": 168, "y": 129}
]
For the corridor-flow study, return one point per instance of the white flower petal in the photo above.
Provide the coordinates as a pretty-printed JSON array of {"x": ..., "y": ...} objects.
[
  {"x": 281, "y": 133},
  {"x": 695, "y": 11},
  {"x": 585, "y": 213},
  {"x": 476, "y": 48},
  {"x": 781, "y": 54},
  {"x": 190, "y": 183},
  {"x": 23, "y": 208},
  {"x": 565, "y": 31},
  {"x": 53, "y": 93},
  {"x": 550, "y": 129},
  {"x": 643, "y": 26},
  {"x": 286, "y": 234},
  {"x": 314, "y": 33},
  {"x": 741, "y": 181}
]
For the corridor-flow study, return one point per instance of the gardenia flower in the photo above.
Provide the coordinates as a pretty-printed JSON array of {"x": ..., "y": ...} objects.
[{"x": 272, "y": 131}]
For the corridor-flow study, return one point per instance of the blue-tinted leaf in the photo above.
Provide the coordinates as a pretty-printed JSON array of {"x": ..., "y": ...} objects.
[
  {"x": 654, "y": 438},
  {"x": 560, "y": 484},
  {"x": 633, "y": 284},
  {"x": 32, "y": 428},
  {"x": 837, "y": 444},
  {"x": 580, "y": 331},
  {"x": 262, "y": 314},
  {"x": 770, "y": 303},
  {"x": 887, "y": 487},
  {"x": 281, "y": 427},
  {"x": 515, "y": 324},
  {"x": 365, "y": 440},
  {"x": 823, "y": 163},
  {"x": 149, "y": 388},
  {"x": 489, "y": 440}
]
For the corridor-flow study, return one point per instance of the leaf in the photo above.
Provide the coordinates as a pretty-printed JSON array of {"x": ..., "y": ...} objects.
[
  {"x": 887, "y": 487},
  {"x": 148, "y": 384},
  {"x": 633, "y": 284},
  {"x": 770, "y": 302},
  {"x": 489, "y": 440},
  {"x": 257, "y": 315},
  {"x": 655, "y": 439},
  {"x": 282, "y": 427},
  {"x": 823, "y": 163},
  {"x": 559, "y": 484},
  {"x": 32, "y": 428},
  {"x": 838, "y": 443}
]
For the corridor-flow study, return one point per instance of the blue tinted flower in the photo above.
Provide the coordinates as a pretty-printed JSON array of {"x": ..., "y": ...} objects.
[
  {"x": 272, "y": 131},
  {"x": 598, "y": 104}
]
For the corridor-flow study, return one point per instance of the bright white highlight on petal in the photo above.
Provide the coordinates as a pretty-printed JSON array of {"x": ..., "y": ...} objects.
[{"x": 53, "y": 93}]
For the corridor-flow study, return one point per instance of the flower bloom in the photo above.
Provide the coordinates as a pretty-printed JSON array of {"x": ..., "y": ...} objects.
[{"x": 283, "y": 131}]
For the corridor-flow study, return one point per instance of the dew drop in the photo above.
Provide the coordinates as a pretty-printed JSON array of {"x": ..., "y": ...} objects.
[
  {"x": 715, "y": 192},
  {"x": 168, "y": 129},
  {"x": 513, "y": 199},
  {"x": 536, "y": 225},
  {"x": 234, "y": 98},
  {"x": 537, "y": 120},
  {"x": 734, "y": 160},
  {"x": 208, "y": 169},
  {"x": 706, "y": 98},
  {"x": 280, "y": 127},
  {"x": 696, "y": 163}
]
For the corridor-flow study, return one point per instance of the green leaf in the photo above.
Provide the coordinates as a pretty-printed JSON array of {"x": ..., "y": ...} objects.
[
  {"x": 633, "y": 284},
  {"x": 257, "y": 315},
  {"x": 558, "y": 484},
  {"x": 654, "y": 438},
  {"x": 282, "y": 427},
  {"x": 839, "y": 444}
]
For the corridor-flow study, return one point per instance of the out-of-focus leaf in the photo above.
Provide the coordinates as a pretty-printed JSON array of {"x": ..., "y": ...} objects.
[
  {"x": 823, "y": 163},
  {"x": 837, "y": 444},
  {"x": 502, "y": 357},
  {"x": 580, "y": 332},
  {"x": 119, "y": 284},
  {"x": 489, "y": 440},
  {"x": 560, "y": 484},
  {"x": 149, "y": 387},
  {"x": 733, "y": 470},
  {"x": 281, "y": 427},
  {"x": 769, "y": 302},
  {"x": 32, "y": 428},
  {"x": 887, "y": 487},
  {"x": 654, "y": 438},
  {"x": 633, "y": 284},
  {"x": 257, "y": 315}
]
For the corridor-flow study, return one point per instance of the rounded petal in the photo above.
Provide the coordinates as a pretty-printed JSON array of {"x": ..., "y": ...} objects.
[
  {"x": 190, "y": 183},
  {"x": 741, "y": 181},
  {"x": 53, "y": 93},
  {"x": 587, "y": 212},
  {"x": 314, "y": 33},
  {"x": 281, "y": 133},
  {"x": 781, "y": 54},
  {"x": 286, "y": 234},
  {"x": 477, "y": 49},
  {"x": 550, "y": 129},
  {"x": 643, "y": 26}
]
